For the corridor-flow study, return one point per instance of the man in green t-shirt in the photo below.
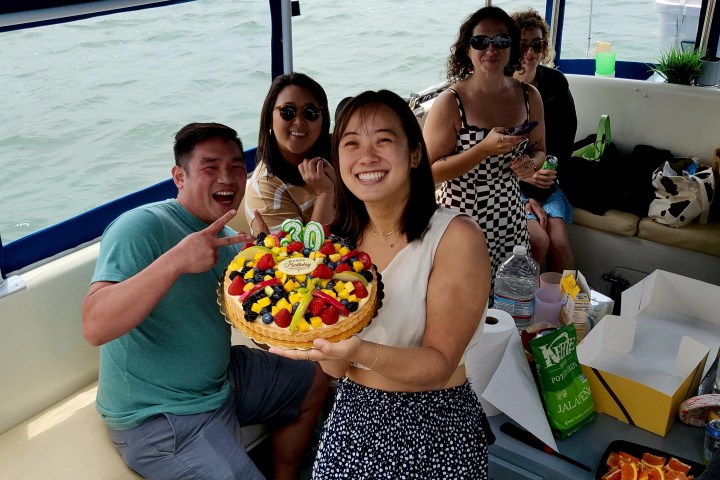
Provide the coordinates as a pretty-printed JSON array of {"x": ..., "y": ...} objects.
[{"x": 172, "y": 390}]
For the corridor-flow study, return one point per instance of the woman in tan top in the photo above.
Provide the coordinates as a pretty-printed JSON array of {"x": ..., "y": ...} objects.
[{"x": 293, "y": 179}]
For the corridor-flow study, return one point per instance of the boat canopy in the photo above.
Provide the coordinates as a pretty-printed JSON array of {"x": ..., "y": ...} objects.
[{"x": 19, "y": 14}]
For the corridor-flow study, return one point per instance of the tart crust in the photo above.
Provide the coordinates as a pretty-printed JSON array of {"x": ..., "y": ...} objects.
[{"x": 274, "y": 336}]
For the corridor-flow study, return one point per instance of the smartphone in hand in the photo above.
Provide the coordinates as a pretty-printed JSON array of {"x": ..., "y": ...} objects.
[{"x": 523, "y": 129}]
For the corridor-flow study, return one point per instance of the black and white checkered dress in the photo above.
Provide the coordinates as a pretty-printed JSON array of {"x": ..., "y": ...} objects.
[{"x": 489, "y": 193}]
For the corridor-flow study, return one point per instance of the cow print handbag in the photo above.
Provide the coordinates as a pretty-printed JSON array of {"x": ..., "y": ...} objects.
[{"x": 681, "y": 198}]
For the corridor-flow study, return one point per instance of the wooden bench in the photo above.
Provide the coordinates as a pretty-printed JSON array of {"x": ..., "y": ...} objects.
[{"x": 49, "y": 428}]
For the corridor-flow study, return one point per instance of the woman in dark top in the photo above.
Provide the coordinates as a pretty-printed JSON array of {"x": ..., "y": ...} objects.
[{"x": 548, "y": 210}]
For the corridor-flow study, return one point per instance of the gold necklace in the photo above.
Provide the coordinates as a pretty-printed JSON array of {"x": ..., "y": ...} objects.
[{"x": 383, "y": 234}]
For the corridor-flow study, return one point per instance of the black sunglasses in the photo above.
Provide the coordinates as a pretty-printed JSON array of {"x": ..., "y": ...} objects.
[
  {"x": 482, "y": 42},
  {"x": 310, "y": 112},
  {"x": 537, "y": 44}
]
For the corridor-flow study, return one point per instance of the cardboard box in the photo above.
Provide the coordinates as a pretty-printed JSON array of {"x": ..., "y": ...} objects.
[
  {"x": 642, "y": 364},
  {"x": 575, "y": 309},
  {"x": 600, "y": 305}
]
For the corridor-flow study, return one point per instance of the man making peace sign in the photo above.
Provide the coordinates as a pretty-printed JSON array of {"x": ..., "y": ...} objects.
[{"x": 172, "y": 390}]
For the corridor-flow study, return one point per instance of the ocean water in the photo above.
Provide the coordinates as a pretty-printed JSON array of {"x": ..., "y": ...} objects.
[{"x": 88, "y": 109}]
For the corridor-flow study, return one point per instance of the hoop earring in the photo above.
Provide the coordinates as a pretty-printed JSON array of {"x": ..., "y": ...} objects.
[{"x": 270, "y": 133}]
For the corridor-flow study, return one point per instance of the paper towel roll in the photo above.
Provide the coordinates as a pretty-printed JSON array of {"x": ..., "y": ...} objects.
[{"x": 484, "y": 357}]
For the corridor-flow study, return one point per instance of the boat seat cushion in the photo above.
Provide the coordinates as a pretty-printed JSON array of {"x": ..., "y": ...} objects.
[
  {"x": 70, "y": 441},
  {"x": 695, "y": 237},
  {"x": 614, "y": 221}
]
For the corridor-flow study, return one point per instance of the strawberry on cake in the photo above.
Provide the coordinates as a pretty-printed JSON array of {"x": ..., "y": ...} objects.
[{"x": 289, "y": 288}]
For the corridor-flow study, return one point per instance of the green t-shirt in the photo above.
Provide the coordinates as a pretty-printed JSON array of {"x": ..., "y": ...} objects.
[{"x": 176, "y": 360}]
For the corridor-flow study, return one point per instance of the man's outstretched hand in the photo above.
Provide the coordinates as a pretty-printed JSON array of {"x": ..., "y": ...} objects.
[{"x": 198, "y": 252}]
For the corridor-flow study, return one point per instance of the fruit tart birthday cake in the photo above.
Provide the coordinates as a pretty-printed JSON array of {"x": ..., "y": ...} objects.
[{"x": 289, "y": 288}]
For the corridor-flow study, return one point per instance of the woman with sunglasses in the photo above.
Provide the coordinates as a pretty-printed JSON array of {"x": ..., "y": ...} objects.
[
  {"x": 293, "y": 179},
  {"x": 404, "y": 408},
  {"x": 468, "y": 131},
  {"x": 547, "y": 207}
]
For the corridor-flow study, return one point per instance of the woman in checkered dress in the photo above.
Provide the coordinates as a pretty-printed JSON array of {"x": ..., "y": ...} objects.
[{"x": 476, "y": 161}]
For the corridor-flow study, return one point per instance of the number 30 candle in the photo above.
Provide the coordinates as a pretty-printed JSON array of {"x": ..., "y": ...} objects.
[{"x": 312, "y": 235}]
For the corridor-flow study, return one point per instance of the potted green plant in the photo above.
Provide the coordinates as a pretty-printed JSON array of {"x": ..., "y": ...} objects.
[{"x": 679, "y": 66}]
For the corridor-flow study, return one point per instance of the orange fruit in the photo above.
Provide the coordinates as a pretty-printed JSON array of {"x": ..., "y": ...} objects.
[
  {"x": 656, "y": 473},
  {"x": 673, "y": 475},
  {"x": 613, "y": 474},
  {"x": 678, "y": 466},
  {"x": 626, "y": 457},
  {"x": 624, "y": 466},
  {"x": 653, "y": 460},
  {"x": 629, "y": 471}
]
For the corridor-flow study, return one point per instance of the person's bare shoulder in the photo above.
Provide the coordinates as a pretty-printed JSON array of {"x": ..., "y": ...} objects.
[
  {"x": 444, "y": 104},
  {"x": 533, "y": 92},
  {"x": 464, "y": 230},
  {"x": 440, "y": 125}
]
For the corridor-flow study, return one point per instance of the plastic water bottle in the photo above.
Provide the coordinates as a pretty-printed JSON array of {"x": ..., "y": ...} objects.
[{"x": 516, "y": 280}]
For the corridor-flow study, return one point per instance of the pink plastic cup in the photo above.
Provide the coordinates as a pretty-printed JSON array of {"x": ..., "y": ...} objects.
[
  {"x": 551, "y": 278},
  {"x": 548, "y": 302}
]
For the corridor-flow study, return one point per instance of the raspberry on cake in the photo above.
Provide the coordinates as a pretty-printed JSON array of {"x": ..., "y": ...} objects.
[{"x": 292, "y": 287}]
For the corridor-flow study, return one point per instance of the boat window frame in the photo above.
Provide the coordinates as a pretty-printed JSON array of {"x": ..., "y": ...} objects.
[
  {"x": 623, "y": 69},
  {"x": 87, "y": 227}
]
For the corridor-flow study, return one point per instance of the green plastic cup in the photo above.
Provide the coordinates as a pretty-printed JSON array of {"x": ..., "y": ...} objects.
[{"x": 605, "y": 63}]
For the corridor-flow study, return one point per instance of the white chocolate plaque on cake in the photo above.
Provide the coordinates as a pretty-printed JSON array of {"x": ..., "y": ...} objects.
[{"x": 297, "y": 266}]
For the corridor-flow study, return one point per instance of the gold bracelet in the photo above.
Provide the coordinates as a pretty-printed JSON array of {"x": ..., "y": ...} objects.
[{"x": 377, "y": 355}]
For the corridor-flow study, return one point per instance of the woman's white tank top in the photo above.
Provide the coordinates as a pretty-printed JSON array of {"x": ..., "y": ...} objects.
[{"x": 401, "y": 319}]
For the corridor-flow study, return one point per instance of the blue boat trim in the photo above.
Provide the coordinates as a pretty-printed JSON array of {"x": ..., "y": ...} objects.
[
  {"x": 623, "y": 69},
  {"x": 548, "y": 19},
  {"x": 277, "y": 65}
]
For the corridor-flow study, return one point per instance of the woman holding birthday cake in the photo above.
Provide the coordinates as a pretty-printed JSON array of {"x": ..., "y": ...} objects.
[{"x": 404, "y": 406}]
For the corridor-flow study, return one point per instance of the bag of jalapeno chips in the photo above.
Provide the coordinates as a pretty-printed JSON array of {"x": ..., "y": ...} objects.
[{"x": 565, "y": 390}]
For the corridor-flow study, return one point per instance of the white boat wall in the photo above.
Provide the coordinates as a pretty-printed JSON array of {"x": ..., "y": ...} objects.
[
  {"x": 49, "y": 427},
  {"x": 48, "y": 424}
]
